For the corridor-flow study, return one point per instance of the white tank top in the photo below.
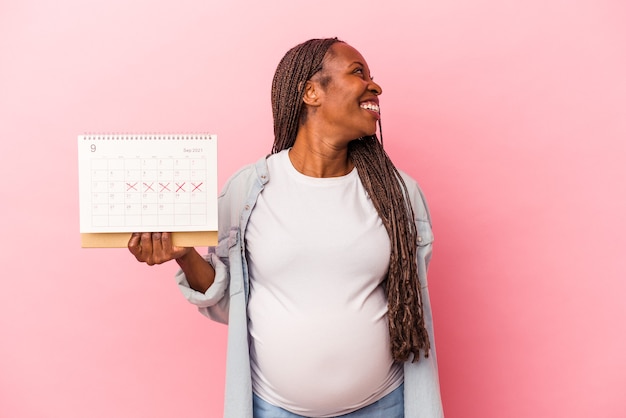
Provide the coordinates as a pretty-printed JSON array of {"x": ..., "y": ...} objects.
[{"x": 317, "y": 253}]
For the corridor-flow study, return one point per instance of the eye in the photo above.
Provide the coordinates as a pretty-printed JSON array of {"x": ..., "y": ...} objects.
[{"x": 358, "y": 70}]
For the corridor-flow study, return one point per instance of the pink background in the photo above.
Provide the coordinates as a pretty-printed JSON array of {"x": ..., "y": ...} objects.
[{"x": 510, "y": 113}]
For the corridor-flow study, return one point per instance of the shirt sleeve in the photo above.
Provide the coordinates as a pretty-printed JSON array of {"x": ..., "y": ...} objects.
[{"x": 213, "y": 303}]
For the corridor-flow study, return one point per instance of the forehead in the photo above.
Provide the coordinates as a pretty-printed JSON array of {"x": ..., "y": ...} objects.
[{"x": 342, "y": 54}]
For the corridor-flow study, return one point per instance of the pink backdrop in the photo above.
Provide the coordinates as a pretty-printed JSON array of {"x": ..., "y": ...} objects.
[{"x": 510, "y": 113}]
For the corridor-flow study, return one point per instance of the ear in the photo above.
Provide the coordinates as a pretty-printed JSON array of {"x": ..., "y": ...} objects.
[{"x": 312, "y": 93}]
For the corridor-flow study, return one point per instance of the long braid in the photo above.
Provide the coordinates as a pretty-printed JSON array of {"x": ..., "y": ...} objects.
[
  {"x": 383, "y": 184},
  {"x": 388, "y": 193}
]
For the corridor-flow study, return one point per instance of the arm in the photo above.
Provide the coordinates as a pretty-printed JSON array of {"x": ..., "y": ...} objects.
[{"x": 156, "y": 248}]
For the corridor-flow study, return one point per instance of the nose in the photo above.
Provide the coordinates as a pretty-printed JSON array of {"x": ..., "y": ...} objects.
[{"x": 375, "y": 88}]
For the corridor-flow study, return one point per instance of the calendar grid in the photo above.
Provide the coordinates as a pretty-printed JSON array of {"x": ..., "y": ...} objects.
[{"x": 148, "y": 192}]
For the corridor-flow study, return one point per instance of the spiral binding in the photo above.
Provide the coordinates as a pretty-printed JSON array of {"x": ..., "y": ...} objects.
[{"x": 148, "y": 136}]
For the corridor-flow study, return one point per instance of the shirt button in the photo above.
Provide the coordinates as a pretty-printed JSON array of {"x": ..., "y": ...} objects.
[{"x": 419, "y": 239}]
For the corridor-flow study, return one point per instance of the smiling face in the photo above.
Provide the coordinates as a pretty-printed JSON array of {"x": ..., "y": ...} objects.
[{"x": 346, "y": 96}]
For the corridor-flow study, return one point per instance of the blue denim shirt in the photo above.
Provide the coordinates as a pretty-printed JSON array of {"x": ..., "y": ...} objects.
[{"x": 226, "y": 300}]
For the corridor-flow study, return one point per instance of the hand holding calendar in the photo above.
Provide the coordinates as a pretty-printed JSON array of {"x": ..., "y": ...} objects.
[{"x": 155, "y": 247}]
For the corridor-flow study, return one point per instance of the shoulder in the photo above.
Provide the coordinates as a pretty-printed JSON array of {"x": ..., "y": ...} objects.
[
  {"x": 244, "y": 178},
  {"x": 239, "y": 193},
  {"x": 416, "y": 196}
]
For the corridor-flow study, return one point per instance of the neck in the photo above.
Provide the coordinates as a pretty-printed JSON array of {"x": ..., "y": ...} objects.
[{"x": 319, "y": 158}]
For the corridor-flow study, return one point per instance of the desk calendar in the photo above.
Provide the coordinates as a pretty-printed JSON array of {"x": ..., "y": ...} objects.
[{"x": 147, "y": 183}]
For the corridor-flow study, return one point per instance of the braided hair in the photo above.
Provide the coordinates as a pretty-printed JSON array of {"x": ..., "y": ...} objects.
[{"x": 382, "y": 182}]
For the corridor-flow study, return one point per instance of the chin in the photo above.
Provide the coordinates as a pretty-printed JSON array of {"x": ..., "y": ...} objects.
[{"x": 370, "y": 133}]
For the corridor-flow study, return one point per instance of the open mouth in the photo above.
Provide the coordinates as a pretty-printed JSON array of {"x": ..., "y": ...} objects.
[{"x": 370, "y": 106}]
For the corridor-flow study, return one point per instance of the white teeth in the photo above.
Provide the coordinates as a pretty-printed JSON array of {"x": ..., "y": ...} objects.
[{"x": 370, "y": 106}]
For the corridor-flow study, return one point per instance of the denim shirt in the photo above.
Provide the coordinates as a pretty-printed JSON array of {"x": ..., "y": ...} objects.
[{"x": 226, "y": 300}]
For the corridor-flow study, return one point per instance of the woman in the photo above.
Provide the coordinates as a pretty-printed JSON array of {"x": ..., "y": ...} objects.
[{"x": 320, "y": 270}]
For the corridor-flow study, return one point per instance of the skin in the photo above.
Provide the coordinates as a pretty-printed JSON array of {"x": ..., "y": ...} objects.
[{"x": 334, "y": 118}]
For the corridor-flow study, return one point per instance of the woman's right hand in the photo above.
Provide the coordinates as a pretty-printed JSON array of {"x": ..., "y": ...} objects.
[{"x": 155, "y": 247}]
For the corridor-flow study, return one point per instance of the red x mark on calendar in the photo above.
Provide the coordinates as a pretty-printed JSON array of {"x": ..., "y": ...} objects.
[
  {"x": 148, "y": 187},
  {"x": 164, "y": 187},
  {"x": 131, "y": 186},
  {"x": 179, "y": 187},
  {"x": 196, "y": 187}
]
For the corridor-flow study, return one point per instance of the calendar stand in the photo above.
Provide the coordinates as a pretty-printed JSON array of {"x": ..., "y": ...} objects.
[{"x": 120, "y": 240}]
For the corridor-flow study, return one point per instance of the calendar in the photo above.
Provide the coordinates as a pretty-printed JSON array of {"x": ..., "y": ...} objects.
[{"x": 147, "y": 183}]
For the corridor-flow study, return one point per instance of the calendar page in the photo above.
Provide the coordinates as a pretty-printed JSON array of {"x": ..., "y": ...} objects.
[{"x": 147, "y": 183}]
